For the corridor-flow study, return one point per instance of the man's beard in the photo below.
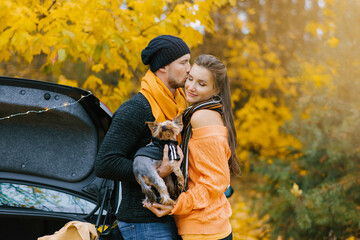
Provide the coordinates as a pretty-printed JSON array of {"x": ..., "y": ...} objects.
[{"x": 173, "y": 83}]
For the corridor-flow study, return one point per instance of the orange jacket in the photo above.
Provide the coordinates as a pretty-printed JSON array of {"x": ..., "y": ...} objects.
[{"x": 203, "y": 208}]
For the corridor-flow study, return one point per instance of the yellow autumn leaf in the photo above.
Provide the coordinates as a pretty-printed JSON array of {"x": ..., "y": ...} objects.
[
  {"x": 351, "y": 238},
  {"x": 295, "y": 190},
  {"x": 92, "y": 83},
  {"x": 63, "y": 80},
  {"x": 312, "y": 27},
  {"x": 333, "y": 42},
  {"x": 251, "y": 11},
  {"x": 61, "y": 55},
  {"x": 97, "y": 67}
]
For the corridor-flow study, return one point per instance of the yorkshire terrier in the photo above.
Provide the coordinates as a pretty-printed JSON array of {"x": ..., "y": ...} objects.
[{"x": 149, "y": 158}]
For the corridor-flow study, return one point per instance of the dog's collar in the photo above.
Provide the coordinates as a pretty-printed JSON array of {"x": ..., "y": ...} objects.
[{"x": 163, "y": 142}]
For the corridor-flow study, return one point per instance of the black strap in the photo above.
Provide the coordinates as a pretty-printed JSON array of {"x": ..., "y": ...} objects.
[{"x": 214, "y": 103}]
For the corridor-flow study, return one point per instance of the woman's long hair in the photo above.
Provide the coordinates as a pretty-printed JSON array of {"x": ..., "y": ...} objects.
[{"x": 221, "y": 81}]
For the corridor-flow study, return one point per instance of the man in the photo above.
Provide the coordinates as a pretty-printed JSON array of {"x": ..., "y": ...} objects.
[{"x": 160, "y": 99}]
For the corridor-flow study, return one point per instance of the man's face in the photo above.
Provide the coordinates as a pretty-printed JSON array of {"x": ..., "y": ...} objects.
[{"x": 178, "y": 71}]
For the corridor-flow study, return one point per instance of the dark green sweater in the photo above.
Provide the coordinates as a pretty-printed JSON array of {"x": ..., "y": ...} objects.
[{"x": 127, "y": 133}]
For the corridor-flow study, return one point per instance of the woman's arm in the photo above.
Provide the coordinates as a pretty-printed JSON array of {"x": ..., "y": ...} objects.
[
  {"x": 211, "y": 163},
  {"x": 211, "y": 153}
]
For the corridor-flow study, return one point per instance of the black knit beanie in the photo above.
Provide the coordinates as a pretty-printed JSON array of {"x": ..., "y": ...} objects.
[{"x": 163, "y": 50}]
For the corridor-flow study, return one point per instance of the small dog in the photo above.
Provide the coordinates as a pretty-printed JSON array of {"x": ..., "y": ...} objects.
[{"x": 149, "y": 158}]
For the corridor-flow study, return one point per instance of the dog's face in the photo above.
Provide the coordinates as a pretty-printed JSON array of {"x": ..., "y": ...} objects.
[{"x": 167, "y": 130}]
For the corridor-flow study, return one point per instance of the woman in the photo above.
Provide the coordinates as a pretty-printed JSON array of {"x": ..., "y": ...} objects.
[{"x": 203, "y": 212}]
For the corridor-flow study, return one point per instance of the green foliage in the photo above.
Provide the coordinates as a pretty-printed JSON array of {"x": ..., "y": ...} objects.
[
  {"x": 314, "y": 191},
  {"x": 327, "y": 200},
  {"x": 326, "y": 171}
]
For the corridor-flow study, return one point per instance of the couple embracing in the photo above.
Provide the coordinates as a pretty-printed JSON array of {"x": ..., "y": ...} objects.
[{"x": 202, "y": 211}]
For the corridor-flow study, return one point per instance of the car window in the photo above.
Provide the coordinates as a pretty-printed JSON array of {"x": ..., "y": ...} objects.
[{"x": 24, "y": 196}]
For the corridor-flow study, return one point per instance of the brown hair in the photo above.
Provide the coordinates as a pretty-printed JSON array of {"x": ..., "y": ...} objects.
[{"x": 221, "y": 82}]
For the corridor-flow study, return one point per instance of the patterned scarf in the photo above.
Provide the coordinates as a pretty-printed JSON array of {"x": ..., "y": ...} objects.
[{"x": 214, "y": 103}]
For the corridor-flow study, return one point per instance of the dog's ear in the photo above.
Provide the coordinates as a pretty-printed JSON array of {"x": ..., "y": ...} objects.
[
  {"x": 153, "y": 126},
  {"x": 178, "y": 120}
]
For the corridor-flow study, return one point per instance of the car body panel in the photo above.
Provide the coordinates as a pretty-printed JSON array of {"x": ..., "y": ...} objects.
[{"x": 49, "y": 138}]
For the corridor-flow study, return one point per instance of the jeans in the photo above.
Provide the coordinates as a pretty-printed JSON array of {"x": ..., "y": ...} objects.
[
  {"x": 229, "y": 237},
  {"x": 149, "y": 231}
]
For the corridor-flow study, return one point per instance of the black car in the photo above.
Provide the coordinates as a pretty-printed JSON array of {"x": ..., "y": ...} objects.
[{"x": 49, "y": 138}]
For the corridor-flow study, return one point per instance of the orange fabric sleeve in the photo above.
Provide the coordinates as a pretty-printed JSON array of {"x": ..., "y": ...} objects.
[{"x": 209, "y": 173}]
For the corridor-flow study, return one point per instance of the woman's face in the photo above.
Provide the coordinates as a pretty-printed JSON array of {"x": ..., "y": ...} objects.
[{"x": 199, "y": 86}]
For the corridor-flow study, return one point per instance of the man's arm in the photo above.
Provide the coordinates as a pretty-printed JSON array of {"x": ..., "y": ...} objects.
[{"x": 120, "y": 142}]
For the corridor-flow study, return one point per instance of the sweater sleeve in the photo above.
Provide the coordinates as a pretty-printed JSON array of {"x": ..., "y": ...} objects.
[
  {"x": 210, "y": 153},
  {"x": 121, "y": 141}
]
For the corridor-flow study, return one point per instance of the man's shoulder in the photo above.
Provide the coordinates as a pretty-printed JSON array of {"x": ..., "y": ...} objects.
[
  {"x": 136, "y": 102},
  {"x": 137, "y": 98},
  {"x": 137, "y": 105}
]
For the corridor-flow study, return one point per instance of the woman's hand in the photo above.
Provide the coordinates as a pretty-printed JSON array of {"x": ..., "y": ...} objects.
[
  {"x": 158, "y": 209},
  {"x": 165, "y": 168}
]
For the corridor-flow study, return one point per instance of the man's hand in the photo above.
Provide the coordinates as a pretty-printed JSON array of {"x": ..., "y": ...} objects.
[
  {"x": 165, "y": 168},
  {"x": 158, "y": 209}
]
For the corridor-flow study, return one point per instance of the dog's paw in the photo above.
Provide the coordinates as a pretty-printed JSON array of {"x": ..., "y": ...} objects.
[
  {"x": 181, "y": 186},
  {"x": 167, "y": 201},
  {"x": 146, "y": 202}
]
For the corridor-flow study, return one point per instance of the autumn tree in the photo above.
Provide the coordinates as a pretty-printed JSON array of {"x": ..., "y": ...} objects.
[
  {"x": 317, "y": 188},
  {"x": 293, "y": 66},
  {"x": 93, "y": 44},
  {"x": 260, "y": 81}
]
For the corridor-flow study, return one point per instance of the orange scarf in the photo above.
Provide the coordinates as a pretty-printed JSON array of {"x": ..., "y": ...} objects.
[{"x": 164, "y": 105}]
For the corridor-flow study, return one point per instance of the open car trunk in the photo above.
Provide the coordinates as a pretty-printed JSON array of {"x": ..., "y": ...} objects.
[{"x": 49, "y": 138}]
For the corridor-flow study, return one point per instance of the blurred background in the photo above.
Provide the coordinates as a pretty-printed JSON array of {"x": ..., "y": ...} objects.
[{"x": 294, "y": 67}]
